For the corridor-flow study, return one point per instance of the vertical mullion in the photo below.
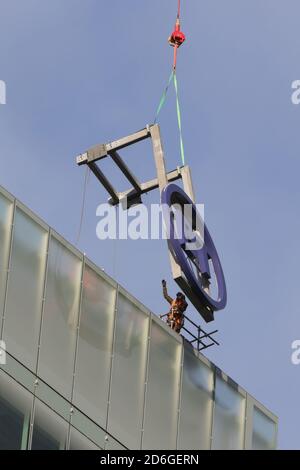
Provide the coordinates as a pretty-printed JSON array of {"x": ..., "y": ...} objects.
[
  {"x": 245, "y": 438},
  {"x": 8, "y": 265},
  {"x": 39, "y": 339},
  {"x": 146, "y": 378},
  {"x": 213, "y": 409},
  {"x": 26, "y": 430},
  {"x": 43, "y": 300},
  {"x": 180, "y": 391},
  {"x": 112, "y": 355},
  {"x": 31, "y": 423},
  {"x": 76, "y": 348}
]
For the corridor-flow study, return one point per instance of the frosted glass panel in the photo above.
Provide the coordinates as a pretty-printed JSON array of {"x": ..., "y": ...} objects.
[
  {"x": 60, "y": 319},
  {"x": 128, "y": 374},
  {"x": 25, "y": 289},
  {"x": 229, "y": 417},
  {"x": 94, "y": 346},
  {"x": 6, "y": 212},
  {"x": 80, "y": 442},
  {"x": 49, "y": 430},
  {"x": 264, "y": 431},
  {"x": 15, "y": 409},
  {"x": 196, "y": 403},
  {"x": 162, "y": 390}
]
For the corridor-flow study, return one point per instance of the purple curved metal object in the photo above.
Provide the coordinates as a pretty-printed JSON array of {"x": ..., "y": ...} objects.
[{"x": 195, "y": 287}]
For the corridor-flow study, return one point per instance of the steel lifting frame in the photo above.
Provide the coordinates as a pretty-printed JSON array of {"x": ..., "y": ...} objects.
[{"x": 133, "y": 195}]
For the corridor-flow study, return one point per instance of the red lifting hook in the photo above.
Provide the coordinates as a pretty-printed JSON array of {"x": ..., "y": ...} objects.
[{"x": 177, "y": 37}]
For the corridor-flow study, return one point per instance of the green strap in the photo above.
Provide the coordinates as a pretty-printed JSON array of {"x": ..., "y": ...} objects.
[
  {"x": 179, "y": 120},
  {"x": 161, "y": 104},
  {"x": 163, "y": 98}
]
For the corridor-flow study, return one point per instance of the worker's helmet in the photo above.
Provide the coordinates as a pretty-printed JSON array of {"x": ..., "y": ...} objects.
[{"x": 181, "y": 296}]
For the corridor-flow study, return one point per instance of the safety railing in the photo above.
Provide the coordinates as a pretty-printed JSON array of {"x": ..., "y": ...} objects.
[{"x": 199, "y": 338}]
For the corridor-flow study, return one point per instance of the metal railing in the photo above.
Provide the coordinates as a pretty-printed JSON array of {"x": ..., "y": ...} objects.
[{"x": 196, "y": 334}]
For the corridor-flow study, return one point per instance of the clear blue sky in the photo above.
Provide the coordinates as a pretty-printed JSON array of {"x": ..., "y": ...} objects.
[{"x": 81, "y": 72}]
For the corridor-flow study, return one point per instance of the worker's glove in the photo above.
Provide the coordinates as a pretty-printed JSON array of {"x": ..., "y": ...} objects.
[{"x": 163, "y": 283}]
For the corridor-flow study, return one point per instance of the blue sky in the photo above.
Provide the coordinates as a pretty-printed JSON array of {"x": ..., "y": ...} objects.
[{"x": 81, "y": 72}]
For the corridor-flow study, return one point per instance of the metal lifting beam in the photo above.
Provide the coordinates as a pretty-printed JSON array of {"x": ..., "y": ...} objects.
[
  {"x": 104, "y": 181},
  {"x": 103, "y": 150},
  {"x": 146, "y": 187},
  {"x": 125, "y": 170},
  {"x": 133, "y": 195}
]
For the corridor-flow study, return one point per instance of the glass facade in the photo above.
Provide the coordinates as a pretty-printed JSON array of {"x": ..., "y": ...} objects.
[
  {"x": 229, "y": 416},
  {"x": 88, "y": 367},
  {"x": 125, "y": 413},
  {"x": 15, "y": 410},
  {"x": 163, "y": 387},
  {"x": 6, "y": 220},
  {"x": 25, "y": 288},
  {"x": 60, "y": 316},
  {"x": 196, "y": 407},
  {"x": 49, "y": 430},
  {"x": 94, "y": 348},
  {"x": 264, "y": 431}
]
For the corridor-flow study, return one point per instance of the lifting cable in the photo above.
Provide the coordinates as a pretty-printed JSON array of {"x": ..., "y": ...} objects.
[
  {"x": 176, "y": 39},
  {"x": 85, "y": 185}
]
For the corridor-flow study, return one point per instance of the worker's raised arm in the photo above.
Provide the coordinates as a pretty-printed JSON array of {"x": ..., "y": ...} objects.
[{"x": 165, "y": 292}]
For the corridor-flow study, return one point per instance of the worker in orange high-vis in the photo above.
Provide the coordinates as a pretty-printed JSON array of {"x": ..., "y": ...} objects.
[{"x": 175, "y": 317}]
